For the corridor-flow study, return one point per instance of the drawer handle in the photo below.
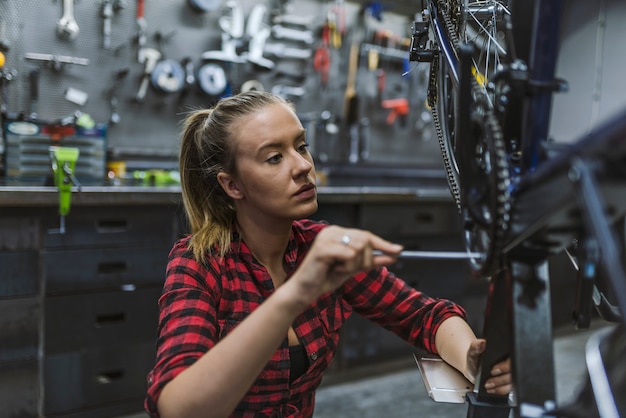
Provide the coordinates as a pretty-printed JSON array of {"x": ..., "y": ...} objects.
[
  {"x": 112, "y": 268},
  {"x": 111, "y": 226},
  {"x": 424, "y": 218},
  {"x": 110, "y": 319},
  {"x": 106, "y": 378}
]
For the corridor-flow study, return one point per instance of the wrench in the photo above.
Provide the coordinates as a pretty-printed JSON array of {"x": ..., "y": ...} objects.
[
  {"x": 288, "y": 91},
  {"x": 283, "y": 32},
  {"x": 107, "y": 14},
  {"x": 67, "y": 28},
  {"x": 280, "y": 50}
]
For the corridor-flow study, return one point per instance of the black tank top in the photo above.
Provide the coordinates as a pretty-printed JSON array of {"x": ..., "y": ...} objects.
[{"x": 299, "y": 361}]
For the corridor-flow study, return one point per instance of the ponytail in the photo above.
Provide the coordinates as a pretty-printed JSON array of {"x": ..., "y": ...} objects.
[{"x": 208, "y": 148}]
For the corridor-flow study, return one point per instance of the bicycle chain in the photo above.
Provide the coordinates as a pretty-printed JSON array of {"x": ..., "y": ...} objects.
[
  {"x": 503, "y": 204},
  {"x": 453, "y": 184},
  {"x": 432, "y": 103}
]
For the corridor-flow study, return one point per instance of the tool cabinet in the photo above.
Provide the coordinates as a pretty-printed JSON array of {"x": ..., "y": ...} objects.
[
  {"x": 78, "y": 311},
  {"x": 20, "y": 314}
]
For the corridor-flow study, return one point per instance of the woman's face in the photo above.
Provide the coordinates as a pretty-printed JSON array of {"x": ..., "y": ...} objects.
[{"x": 275, "y": 171}]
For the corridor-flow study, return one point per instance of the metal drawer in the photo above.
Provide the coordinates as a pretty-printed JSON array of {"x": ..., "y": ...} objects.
[
  {"x": 19, "y": 273},
  {"x": 100, "y": 320},
  {"x": 104, "y": 268},
  {"x": 401, "y": 219},
  {"x": 112, "y": 226},
  {"x": 19, "y": 388},
  {"x": 19, "y": 329},
  {"x": 91, "y": 379},
  {"x": 18, "y": 232}
]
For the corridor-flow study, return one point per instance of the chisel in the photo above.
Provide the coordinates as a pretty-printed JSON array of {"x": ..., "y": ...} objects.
[{"x": 432, "y": 254}]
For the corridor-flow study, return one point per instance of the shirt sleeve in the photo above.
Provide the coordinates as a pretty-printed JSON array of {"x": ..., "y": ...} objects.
[
  {"x": 387, "y": 300},
  {"x": 187, "y": 320}
]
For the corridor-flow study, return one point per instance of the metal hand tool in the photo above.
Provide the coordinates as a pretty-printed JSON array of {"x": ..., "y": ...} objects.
[
  {"x": 281, "y": 50},
  {"x": 57, "y": 61},
  {"x": 107, "y": 15},
  {"x": 232, "y": 24},
  {"x": 142, "y": 31},
  {"x": 283, "y": 32},
  {"x": 432, "y": 254},
  {"x": 288, "y": 91},
  {"x": 67, "y": 27},
  {"x": 151, "y": 57},
  {"x": 258, "y": 32}
]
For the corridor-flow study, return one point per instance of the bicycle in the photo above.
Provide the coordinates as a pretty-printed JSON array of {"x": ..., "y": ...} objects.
[{"x": 492, "y": 78}]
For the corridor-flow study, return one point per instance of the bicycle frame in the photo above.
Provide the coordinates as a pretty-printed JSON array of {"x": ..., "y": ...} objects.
[
  {"x": 518, "y": 321},
  {"x": 534, "y": 61},
  {"x": 518, "y": 315}
]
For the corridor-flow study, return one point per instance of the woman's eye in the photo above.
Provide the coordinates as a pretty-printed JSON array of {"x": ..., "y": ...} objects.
[
  {"x": 303, "y": 148},
  {"x": 274, "y": 159}
]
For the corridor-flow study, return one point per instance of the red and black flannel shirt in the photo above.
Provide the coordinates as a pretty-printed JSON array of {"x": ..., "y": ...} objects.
[{"x": 201, "y": 303}]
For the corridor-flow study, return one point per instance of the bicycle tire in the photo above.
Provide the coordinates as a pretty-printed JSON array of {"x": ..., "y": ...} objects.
[{"x": 478, "y": 172}]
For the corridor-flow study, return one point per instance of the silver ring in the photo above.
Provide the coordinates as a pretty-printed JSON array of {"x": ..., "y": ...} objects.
[{"x": 345, "y": 240}]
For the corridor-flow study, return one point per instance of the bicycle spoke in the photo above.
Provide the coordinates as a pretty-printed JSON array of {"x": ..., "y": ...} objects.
[{"x": 475, "y": 159}]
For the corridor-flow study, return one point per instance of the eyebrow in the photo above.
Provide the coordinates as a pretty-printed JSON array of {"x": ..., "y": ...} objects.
[{"x": 278, "y": 144}]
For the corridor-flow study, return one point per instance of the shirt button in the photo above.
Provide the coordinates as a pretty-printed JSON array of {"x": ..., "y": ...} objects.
[{"x": 314, "y": 356}]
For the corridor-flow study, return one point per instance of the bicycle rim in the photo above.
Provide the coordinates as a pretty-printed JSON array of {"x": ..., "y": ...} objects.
[{"x": 482, "y": 193}]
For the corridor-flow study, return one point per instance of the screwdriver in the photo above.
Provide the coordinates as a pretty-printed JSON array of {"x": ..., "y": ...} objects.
[{"x": 432, "y": 254}]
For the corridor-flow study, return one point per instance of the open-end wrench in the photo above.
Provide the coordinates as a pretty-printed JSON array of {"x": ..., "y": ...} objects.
[
  {"x": 107, "y": 15},
  {"x": 67, "y": 27},
  {"x": 281, "y": 50},
  {"x": 288, "y": 91},
  {"x": 283, "y": 32}
]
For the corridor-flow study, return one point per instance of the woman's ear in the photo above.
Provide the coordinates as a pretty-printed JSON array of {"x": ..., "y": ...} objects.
[{"x": 229, "y": 185}]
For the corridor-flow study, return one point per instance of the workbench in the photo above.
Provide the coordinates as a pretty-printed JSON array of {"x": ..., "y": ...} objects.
[{"x": 78, "y": 311}]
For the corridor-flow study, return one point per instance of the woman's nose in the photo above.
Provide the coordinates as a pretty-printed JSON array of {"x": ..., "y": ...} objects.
[{"x": 303, "y": 164}]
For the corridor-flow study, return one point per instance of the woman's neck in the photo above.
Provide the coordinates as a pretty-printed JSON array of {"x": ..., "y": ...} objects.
[{"x": 267, "y": 243}]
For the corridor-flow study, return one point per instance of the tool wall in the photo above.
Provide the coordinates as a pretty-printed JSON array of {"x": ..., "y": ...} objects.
[{"x": 85, "y": 61}]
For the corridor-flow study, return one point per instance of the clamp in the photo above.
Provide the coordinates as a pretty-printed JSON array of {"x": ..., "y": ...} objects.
[{"x": 63, "y": 161}]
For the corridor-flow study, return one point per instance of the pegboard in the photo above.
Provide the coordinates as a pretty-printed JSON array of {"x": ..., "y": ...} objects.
[{"x": 149, "y": 129}]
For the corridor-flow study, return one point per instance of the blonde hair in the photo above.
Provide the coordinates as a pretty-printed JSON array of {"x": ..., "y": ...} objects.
[{"x": 208, "y": 148}]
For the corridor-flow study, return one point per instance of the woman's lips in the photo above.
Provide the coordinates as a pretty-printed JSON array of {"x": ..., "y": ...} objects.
[{"x": 306, "y": 192}]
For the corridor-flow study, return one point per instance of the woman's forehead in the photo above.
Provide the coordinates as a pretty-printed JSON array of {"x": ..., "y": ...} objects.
[{"x": 268, "y": 123}]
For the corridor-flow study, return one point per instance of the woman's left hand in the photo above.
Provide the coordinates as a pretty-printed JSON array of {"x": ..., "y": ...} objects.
[{"x": 501, "y": 381}]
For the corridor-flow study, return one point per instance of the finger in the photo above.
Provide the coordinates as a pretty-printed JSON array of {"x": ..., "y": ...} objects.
[
  {"x": 501, "y": 367},
  {"x": 358, "y": 242},
  {"x": 499, "y": 385},
  {"x": 388, "y": 248},
  {"x": 501, "y": 390}
]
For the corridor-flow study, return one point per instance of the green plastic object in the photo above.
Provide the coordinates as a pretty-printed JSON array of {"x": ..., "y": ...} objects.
[{"x": 63, "y": 165}]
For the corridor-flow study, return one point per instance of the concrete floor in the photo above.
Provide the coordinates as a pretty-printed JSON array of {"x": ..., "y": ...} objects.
[{"x": 401, "y": 392}]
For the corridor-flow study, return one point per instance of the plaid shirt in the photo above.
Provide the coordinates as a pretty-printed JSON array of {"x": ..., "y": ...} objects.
[{"x": 201, "y": 303}]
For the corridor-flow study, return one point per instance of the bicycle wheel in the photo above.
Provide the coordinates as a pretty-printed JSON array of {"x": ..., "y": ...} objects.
[{"x": 475, "y": 160}]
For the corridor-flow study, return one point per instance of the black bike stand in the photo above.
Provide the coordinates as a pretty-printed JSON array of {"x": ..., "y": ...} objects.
[{"x": 478, "y": 409}]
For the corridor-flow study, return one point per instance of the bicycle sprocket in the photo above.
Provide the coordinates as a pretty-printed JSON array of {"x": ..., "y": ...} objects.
[{"x": 477, "y": 157}]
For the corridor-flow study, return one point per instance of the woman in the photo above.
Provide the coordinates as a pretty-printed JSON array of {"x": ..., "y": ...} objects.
[{"x": 255, "y": 296}]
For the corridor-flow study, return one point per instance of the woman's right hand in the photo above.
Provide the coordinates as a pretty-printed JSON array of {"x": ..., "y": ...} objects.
[{"x": 336, "y": 255}]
